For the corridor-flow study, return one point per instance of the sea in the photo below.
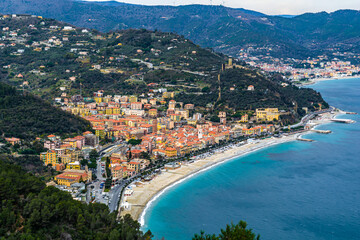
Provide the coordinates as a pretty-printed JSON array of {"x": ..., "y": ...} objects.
[{"x": 296, "y": 190}]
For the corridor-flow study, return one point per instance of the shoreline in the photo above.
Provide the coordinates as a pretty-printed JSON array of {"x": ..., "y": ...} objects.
[
  {"x": 147, "y": 192},
  {"x": 316, "y": 80}
]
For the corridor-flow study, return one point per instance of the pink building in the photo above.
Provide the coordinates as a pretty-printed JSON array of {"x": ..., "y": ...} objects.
[
  {"x": 136, "y": 105},
  {"x": 80, "y": 141}
]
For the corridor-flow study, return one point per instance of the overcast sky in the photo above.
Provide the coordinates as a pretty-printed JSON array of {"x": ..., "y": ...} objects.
[{"x": 264, "y": 6}]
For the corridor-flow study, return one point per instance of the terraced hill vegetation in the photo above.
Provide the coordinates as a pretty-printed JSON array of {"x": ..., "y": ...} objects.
[
  {"x": 56, "y": 60},
  {"x": 116, "y": 61}
]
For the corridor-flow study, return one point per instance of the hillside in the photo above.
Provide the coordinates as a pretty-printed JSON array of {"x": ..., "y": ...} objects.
[
  {"x": 56, "y": 61},
  {"x": 49, "y": 59},
  {"x": 27, "y": 117},
  {"x": 30, "y": 210},
  {"x": 224, "y": 29},
  {"x": 235, "y": 96}
]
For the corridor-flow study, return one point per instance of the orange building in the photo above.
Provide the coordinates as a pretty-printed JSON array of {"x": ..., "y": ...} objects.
[
  {"x": 170, "y": 152},
  {"x": 69, "y": 177}
]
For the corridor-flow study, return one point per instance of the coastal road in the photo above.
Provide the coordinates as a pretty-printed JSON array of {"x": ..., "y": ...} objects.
[
  {"x": 112, "y": 197},
  {"x": 115, "y": 196},
  {"x": 310, "y": 116}
]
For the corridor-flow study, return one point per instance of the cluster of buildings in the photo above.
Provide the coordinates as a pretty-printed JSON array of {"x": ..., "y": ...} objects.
[
  {"x": 18, "y": 38},
  {"x": 165, "y": 126},
  {"x": 122, "y": 166},
  {"x": 65, "y": 155},
  {"x": 296, "y": 70},
  {"x": 19, "y": 41}
]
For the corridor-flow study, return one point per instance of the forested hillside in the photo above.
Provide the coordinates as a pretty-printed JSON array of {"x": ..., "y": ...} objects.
[
  {"x": 30, "y": 210},
  {"x": 25, "y": 116},
  {"x": 235, "y": 95}
]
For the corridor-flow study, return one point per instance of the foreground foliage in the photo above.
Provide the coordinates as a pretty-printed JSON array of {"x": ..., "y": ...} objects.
[
  {"x": 30, "y": 210},
  {"x": 231, "y": 232}
]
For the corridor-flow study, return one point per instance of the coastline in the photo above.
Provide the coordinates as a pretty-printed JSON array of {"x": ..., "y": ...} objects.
[
  {"x": 316, "y": 80},
  {"x": 145, "y": 193}
]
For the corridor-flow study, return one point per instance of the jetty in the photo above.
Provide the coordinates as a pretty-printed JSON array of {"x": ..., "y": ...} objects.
[
  {"x": 343, "y": 120},
  {"x": 352, "y": 113},
  {"x": 321, "y": 131},
  {"x": 305, "y": 139}
]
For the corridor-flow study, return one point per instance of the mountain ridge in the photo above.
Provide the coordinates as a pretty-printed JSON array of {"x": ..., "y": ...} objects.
[{"x": 224, "y": 29}]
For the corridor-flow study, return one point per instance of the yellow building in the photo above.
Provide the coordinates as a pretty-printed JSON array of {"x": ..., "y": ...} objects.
[
  {"x": 175, "y": 117},
  {"x": 73, "y": 165},
  {"x": 133, "y": 99},
  {"x": 98, "y": 99},
  {"x": 183, "y": 113},
  {"x": 153, "y": 101},
  {"x": 110, "y": 134},
  {"x": 172, "y": 104},
  {"x": 72, "y": 176},
  {"x": 66, "y": 158},
  {"x": 134, "y": 166},
  {"x": 116, "y": 110},
  {"x": 112, "y": 111},
  {"x": 153, "y": 112},
  {"x": 244, "y": 118},
  {"x": 170, "y": 152},
  {"x": 75, "y": 111},
  {"x": 84, "y": 111},
  {"x": 109, "y": 111},
  {"x": 267, "y": 114},
  {"x": 192, "y": 122},
  {"x": 107, "y": 99},
  {"x": 51, "y": 158},
  {"x": 100, "y": 132},
  {"x": 168, "y": 95},
  {"x": 74, "y": 155}
]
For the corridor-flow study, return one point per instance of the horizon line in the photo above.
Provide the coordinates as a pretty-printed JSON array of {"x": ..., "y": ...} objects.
[{"x": 216, "y": 5}]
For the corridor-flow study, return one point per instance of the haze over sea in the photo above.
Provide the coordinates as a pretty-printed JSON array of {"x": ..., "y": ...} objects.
[{"x": 296, "y": 190}]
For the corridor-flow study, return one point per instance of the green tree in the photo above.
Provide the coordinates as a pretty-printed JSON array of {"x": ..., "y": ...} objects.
[
  {"x": 231, "y": 232},
  {"x": 135, "y": 141},
  {"x": 93, "y": 154},
  {"x": 215, "y": 118}
]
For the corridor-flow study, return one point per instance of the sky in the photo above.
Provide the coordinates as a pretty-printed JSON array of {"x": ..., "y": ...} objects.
[{"x": 271, "y": 7}]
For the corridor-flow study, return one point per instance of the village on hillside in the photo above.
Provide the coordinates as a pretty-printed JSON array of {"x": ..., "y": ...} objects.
[{"x": 132, "y": 135}]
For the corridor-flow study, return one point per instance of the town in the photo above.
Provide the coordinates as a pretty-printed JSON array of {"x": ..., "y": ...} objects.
[
  {"x": 135, "y": 133},
  {"x": 161, "y": 124},
  {"x": 300, "y": 71}
]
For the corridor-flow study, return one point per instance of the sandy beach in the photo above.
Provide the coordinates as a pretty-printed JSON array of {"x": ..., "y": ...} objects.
[{"x": 146, "y": 192}]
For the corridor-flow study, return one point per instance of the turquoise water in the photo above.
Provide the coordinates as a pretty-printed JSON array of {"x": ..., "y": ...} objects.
[{"x": 296, "y": 190}]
